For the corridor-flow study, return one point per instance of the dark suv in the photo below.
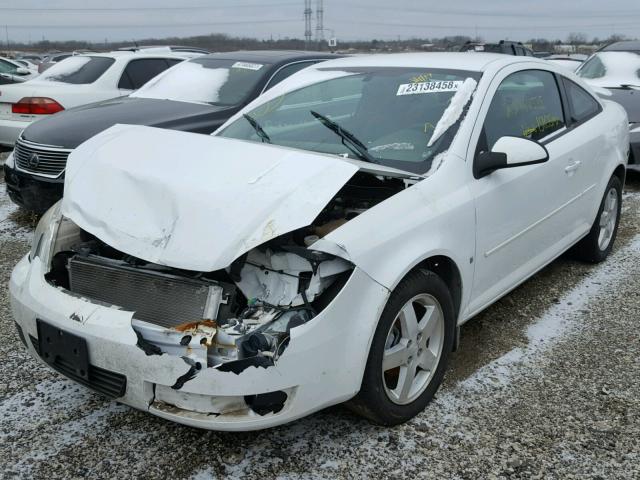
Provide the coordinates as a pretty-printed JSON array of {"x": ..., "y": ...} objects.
[
  {"x": 503, "y": 46},
  {"x": 196, "y": 96}
]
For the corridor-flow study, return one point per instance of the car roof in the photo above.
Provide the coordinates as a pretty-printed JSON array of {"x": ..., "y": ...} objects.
[
  {"x": 271, "y": 56},
  {"x": 139, "y": 54},
  {"x": 624, "y": 46},
  {"x": 472, "y": 61}
]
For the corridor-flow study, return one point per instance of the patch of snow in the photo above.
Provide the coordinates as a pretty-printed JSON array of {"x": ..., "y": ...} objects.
[
  {"x": 611, "y": 69},
  {"x": 393, "y": 146},
  {"x": 76, "y": 411},
  {"x": 558, "y": 322},
  {"x": 63, "y": 68},
  {"x": 187, "y": 82},
  {"x": 9, "y": 229},
  {"x": 455, "y": 108}
]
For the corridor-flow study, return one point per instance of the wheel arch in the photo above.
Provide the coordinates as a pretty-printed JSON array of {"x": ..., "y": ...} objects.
[
  {"x": 620, "y": 172},
  {"x": 447, "y": 269}
]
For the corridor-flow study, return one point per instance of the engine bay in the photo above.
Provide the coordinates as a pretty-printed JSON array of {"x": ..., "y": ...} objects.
[{"x": 228, "y": 319}]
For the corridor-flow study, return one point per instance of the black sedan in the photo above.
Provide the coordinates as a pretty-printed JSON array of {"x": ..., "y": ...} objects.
[{"x": 195, "y": 96}]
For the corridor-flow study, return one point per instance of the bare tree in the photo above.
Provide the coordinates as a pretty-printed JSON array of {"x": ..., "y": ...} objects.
[{"x": 576, "y": 38}]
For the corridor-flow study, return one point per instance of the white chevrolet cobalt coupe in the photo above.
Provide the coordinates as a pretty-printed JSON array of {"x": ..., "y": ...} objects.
[{"x": 326, "y": 244}]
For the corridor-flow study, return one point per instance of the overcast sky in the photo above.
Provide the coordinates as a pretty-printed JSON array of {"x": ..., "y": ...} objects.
[{"x": 32, "y": 20}]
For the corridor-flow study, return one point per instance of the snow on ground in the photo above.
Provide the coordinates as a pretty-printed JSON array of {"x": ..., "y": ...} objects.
[
  {"x": 450, "y": 408},
  {"x": 9, "y": 212}
]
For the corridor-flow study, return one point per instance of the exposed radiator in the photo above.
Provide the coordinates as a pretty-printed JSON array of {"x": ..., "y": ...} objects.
[{"x": 155, "y": 297}]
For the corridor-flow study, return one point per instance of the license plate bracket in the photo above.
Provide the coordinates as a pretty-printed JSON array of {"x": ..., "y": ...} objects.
[{"x": 62, "y": 349}]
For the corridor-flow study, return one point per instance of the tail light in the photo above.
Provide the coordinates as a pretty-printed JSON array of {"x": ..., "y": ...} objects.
[{"x": 36, "y": 106}]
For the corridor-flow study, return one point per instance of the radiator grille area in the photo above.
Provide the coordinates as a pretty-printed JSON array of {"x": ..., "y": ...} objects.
[
  {"x": 40, "y": 159},
  {"x": 154, "y": 297}
]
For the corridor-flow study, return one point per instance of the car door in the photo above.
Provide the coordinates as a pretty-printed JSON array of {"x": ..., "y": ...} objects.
[
  {"x": 585, "y": 137},
  {"x": 524, "y": 215}
]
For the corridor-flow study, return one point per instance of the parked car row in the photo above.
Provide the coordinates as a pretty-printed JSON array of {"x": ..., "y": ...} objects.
[
  {"x": 323, "y": 245},
  {"x": 15, "y": 71},
  {"x": 195, "y": 96}
]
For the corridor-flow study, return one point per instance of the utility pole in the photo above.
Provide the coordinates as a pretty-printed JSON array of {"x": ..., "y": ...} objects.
[
  {"x": 319, "y": 23},
  {"x": 307, "y": 24},
  {"x": 6, "y": 32}
]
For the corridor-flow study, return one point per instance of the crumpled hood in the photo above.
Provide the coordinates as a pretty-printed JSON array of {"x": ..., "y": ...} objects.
[{"x": 194, "y": 201}]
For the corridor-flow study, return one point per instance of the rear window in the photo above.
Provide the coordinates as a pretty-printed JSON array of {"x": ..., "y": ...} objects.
[
  {"x": 217, "y": 81},
  {"x": 77, "y": 70}
]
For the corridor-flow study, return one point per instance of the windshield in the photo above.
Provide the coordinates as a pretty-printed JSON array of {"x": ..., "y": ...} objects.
[
  {"x": 77, "y": 70},
  {"x": 206, "y": 80},
  {"x": 612, "y": 69},
  {"x": 403, "y": 117}
]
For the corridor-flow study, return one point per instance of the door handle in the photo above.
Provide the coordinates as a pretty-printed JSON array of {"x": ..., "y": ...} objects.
[{"x": 572, "y": 167}]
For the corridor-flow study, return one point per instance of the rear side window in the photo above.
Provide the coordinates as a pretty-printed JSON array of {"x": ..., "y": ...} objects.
[
  {"x": 286, "y": 72},
  {"x": 77, "y": 70},
  {"x": 527, "y": 104},
  {"x": 140, "y": 71},
  {"x": 583, "y": 105}
]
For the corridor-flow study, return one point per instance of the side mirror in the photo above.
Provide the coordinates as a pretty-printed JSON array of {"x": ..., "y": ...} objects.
[
  {"x": 22, "y": 71},
  {"x": 509, "y": 152}
]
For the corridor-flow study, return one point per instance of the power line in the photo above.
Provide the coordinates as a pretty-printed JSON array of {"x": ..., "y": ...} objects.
[
  {"x": 487, "y": 27},
  {"x": 133, "y": 9},
  {"x": 493, "y": 13},
  {"x": 155, "y": 25}
]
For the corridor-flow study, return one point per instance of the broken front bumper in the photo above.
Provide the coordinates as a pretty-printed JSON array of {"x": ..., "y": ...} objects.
[{"x": 322, "y": 366}]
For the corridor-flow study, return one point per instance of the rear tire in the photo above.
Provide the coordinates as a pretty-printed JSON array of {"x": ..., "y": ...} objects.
[
  {"x": 409, "y": 352},
  {"x": 597, "y": 245}
]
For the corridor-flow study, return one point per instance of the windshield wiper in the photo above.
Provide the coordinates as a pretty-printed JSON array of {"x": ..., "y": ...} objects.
[
  {"x": 256, "y": 126},
  {"x": 357, "y": 146}
]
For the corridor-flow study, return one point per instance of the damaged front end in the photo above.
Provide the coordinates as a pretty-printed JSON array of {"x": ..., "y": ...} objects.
[{"x": 226, "y": 320}]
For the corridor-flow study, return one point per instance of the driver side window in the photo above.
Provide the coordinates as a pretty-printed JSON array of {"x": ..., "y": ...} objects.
[{"x": 527, "y": 104}]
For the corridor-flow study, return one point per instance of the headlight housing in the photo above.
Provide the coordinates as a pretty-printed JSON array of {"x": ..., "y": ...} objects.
[{"x": 45, "y": 233}]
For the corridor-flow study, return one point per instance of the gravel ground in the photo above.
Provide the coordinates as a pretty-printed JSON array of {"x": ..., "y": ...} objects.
[{"x": 545, "y": 385}]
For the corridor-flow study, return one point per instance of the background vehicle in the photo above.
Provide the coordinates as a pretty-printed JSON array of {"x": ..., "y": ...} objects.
[
  {"x": 27, "y": 63},
  {"x": 503, "y": 46},
  {"x": 53, "y": 58},
  {"x": 196, "y": 96},
  {"x": 571, "y": 62},
  {"x": 623, "y": 46},
  {"x": 12, "y": 71},
  {"x": 337, "y": 241},
  {"x": 75, "y": 81},
  {"x": 616, "y": 67},
  {"x": 32, "y": 57},
  {"x": 155, "y": 48}
]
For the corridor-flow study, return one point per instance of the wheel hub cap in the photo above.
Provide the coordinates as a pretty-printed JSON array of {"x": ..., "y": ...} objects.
[
  {"x": 608, "y": 219},
  {"x": 413, "y": 349}
]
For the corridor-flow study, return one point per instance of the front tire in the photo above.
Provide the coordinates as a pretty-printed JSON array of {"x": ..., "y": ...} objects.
[
  {"x": 410, "y": 351},
  {"x": 597, "y": 245}
]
